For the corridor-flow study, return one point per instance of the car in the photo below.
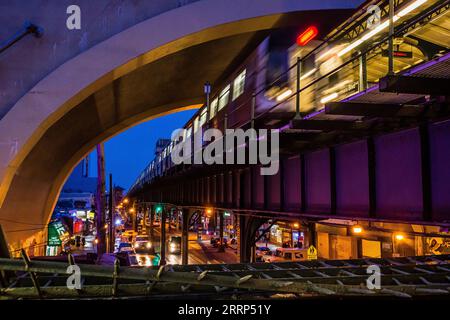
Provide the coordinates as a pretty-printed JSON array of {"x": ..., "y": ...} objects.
[
  {"x": 125, "y": 247},
  {"x": 141, "y": 237},
  {"x": 129, "y": 234},
  {"x": 262, "y": 251},
  {"x": 142, "y": 244},
  {"x": 215, "y": 242},
  {"x": 286, "y": 254},
  {"x": 175, "y": 245},
  {"x": 148, "y": 260},
  {"x": 127, "y": 259},
  {"x": 156, "y": 223}
]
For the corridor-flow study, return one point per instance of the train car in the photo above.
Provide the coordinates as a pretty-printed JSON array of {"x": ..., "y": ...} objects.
[{"x": 282, "y": 76}]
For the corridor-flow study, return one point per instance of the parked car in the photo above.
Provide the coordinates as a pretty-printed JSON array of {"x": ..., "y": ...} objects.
[
  {"x": 286, "y": 254},
  {"x": 215, "y": 242},
  {"x": 262, "y": 251},
  {"x": 127, "y": 259},
  {"x": 126, "y": 247}
]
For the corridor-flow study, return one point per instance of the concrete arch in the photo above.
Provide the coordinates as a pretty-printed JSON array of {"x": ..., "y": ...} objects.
[{"x": 91, "y": 89}]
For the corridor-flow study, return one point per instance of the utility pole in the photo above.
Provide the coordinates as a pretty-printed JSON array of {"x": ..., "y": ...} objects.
[
  {"x": 100, "y": 201},
  {"x": 111, "y": 215}
]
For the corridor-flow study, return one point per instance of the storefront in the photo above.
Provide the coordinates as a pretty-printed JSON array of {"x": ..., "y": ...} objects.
[
  {"x": 57, "y": 236},
  {"x": 287, "y": 234}
]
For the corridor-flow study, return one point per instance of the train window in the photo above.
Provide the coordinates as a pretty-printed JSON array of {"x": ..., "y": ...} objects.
[
  {"x": 195, "y": 124},
  {"x": 213, "y": 108},
  {"x": 188, "y": 132},
  {"x": 239, "y": 85},
  {"x": 224, "y": 97},
  {"x": 202, "y": 117}
]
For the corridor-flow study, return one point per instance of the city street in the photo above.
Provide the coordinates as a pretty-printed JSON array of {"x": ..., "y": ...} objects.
[{"x": 200, "y": 251}]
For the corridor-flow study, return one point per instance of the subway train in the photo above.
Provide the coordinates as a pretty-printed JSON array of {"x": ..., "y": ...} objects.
[{"x": 290, "y": 75}]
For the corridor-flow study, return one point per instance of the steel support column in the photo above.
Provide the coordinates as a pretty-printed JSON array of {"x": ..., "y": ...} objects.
[
  {"x": 185, "y": 237},
  {"x": 248, "y": 227},
  {"x": 163, "y": 236},
  {"x": 312, "y": 234},
  {"x": 221, "y": 226}
]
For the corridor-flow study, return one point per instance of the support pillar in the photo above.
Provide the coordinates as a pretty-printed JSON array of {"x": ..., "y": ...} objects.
[
  {"x": 185, "y": 238},
  {"x": 247, "y": 231},
  {"x": 312, "y": 234},
  {"x": 244, "y": 245},
  {"x": 221, "y": 226},
  {"x": 152, "y": 218},
  {"x": 163, "y": 237}
]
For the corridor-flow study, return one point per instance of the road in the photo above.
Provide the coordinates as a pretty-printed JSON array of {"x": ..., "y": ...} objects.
[{"x": 200, "y": 251}]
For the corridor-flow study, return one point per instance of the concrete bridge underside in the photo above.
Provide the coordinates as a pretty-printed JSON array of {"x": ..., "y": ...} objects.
[{"x": 153, "y": 68}]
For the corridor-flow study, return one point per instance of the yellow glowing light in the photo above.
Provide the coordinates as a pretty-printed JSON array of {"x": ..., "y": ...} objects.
[
  {"x": 284, "y": 95},
  {"x": 399, "y": 237},
  {"x": 208, "y": 211},
  {"x": 131, "y": 210},
  {"x": 296, "y": 225},
  {"x": 329, "y": 98},
  {"x": 125, "y": 200},
  {"x": 357, "y": 229}
]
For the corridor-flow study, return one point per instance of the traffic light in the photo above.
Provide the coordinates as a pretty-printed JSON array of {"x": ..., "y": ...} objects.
[{"x": 158, "y": 209}]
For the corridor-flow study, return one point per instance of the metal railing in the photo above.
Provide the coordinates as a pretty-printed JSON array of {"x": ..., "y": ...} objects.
[{"x": 401, "y": 277}]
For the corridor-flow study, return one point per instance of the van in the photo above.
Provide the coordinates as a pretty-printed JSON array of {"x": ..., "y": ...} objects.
[{"x": 286, "y": 254}]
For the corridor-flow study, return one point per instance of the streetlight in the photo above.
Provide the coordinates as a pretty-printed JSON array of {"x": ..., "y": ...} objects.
[
  {"x": 126, "y": 200},
  {"x": 399, "y": 237},
  {"x": 357, "y": 229}
]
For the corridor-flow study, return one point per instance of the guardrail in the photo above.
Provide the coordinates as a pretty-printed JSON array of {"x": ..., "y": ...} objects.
[{"x": 400, "y": 277}]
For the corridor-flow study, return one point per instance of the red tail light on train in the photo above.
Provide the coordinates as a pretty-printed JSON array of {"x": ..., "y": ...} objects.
[{"x": 307, "y": 35}]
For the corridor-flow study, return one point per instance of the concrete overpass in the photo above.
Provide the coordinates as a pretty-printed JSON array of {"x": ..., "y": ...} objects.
[{"x": 69, "y": 90}]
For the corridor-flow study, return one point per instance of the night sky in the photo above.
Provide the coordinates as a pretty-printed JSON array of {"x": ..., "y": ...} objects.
[{"x": 128, "y": 153}]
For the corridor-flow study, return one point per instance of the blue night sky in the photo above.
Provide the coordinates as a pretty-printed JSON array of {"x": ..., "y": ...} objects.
[{"x": 128, "y": 153}]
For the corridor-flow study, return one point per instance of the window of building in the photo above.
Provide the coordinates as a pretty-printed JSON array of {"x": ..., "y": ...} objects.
[
  {"x": 239, "y": 85},
  {"x": 224, "y": 97},
  {"x": 213, "y": 108}
]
